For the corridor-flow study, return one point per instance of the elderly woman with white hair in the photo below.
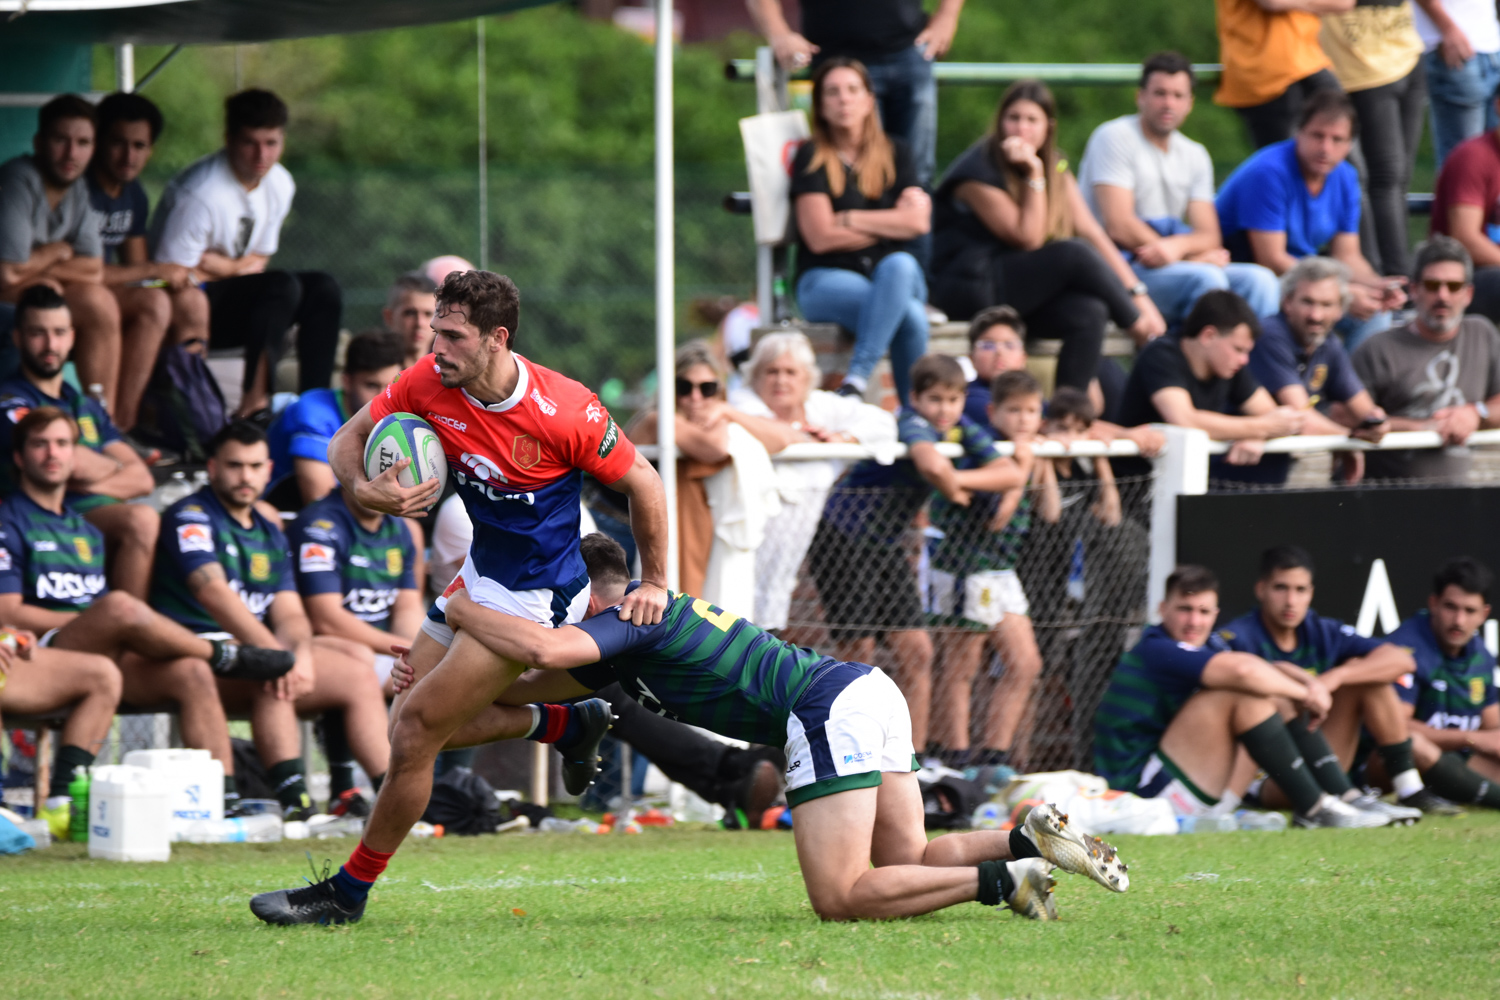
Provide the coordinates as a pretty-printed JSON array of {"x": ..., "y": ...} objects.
[{"x": 783, "y": 374}]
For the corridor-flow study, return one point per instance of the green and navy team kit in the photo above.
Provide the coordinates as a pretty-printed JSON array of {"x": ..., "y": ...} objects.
[
  {"x": 197, "y": 530},
  {"x": 334, "y": 554},
  {"x": 19, "y": 397},
  {"x": 1322, "y": 643},
  {"x": 1149, "y": 686},
  {"x": 52, "y": 560},
  {"x": 876, "y": 502},
  {"x": 1445, "y": 692}
]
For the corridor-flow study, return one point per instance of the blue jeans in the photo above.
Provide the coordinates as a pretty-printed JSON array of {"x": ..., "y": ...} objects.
[
  {"x": 886, "y": 311},
  {"x": 1176, "y": 287},
  {"x": 1463, "y": 99},
  {"x": 906, "y": 92},
  {"x": 1357, "y": 331}
]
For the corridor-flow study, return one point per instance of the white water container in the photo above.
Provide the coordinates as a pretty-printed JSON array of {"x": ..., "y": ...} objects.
[
  {"x": 130, "y": 814},
  {"x": 195, "y": 779}
]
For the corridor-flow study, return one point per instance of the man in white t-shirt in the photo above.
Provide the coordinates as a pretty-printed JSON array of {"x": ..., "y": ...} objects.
[
  {"x": 1462, "y": 38},
  {"x": 1153, "y": 190},
  {"x": 222, "y": 217}
]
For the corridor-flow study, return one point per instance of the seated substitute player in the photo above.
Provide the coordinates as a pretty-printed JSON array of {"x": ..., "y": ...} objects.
[
  {"x": 1455, "y": 712},
  {"x": 1356, "y": 672},
  {"x": 850, "y": 779},
  {"x": 224, "y": 571},
  {"x": 864, "y": 579},
  {"x": 37, "y": 681},
  {"x": 1180, "y": 703},
  {"x": 52, "y": 581},
  {"x": 106, "y": 470},
  {"x": 354, "y": 572}
]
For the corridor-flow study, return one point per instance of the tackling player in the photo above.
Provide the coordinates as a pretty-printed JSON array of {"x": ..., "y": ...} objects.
[
  {"x": 223, "y": 570},
  {"x": 850, "y": 761},
  {"x": 1356, "y": 672},
  {"x": 1451, "y": 697},
  {"x": 518, "y": 438}
]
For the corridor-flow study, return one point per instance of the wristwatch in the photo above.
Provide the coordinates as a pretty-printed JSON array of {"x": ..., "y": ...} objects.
[
  {"x": 1482, "y": 408},
  {"x": 1138, "y": 289}
]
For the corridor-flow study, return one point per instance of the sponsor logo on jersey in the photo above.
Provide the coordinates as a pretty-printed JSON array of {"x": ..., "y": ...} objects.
[
  {"x": 358, "y": 560},
  {"x": 314, "y": 558},
  {"x": 370, "y": 604},
  {"x": 1449, "y": 720},
  {"x": 1440, "y": 685},
  {"x": 458, "y": 425},
  {"x": 610, "y": 439},
  {"x": 194, "y": 538},
  {"x": 393, "y": 562},
  {"x": 68, "y": 586},
  {"x": 480, "y": 467},
  {"x": 548, "y": 407},
  {"x": 45, "y": 545},
  {"x": 1476, "y": 689},
  {"x": 260, "y": 566},
  {"x": 17, "y": 412},
  {"x": 256, "y": 603},
  {"x": 88, "y": 431},
  {"x": 594, "y": 412},
  {"x": 526, "y": 451},
  {"x": 84, "y": 550}
]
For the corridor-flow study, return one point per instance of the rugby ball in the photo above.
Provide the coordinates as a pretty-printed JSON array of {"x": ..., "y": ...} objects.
[{"x": 406, "y": 435}]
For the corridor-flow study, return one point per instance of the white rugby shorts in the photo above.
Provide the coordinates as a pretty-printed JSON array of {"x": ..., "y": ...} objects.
[
  {"x": 552, "y": 607},
  {"x": 847, "y": 728}
]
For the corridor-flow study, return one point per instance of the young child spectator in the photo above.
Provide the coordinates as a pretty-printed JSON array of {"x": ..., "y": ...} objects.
[
  {"x": 50, "y": 235},
  {"x": 974, "y": 589},
  {"x": 152, "y": 295},
  {"x": 222, "y": 217},
  {"x": 1462, "y": 39},
  {"x": 1010, "y": 227},
  {"x": 1070, "y": 417},
  {"x": 857, "y": 200},
  {"x": 409, "y": 307},
  {"x": 1466, "y": 206},
  {"x": 861, "y": 567},
  {"x": 1294, "y": 197},
  {"x": 1152, "y": 188},
  {"x": 1273, "y": 63}
]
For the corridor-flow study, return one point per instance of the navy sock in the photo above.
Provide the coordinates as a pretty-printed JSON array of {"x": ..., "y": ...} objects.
[{"x": 351, "y": 891}]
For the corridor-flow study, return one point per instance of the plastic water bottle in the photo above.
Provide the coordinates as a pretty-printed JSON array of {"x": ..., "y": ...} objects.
[
  {"x": 38, "y": 830},
  {"x": 1249, "y": 819},
  {"x": 1206, "y": 824},
  {"x": 324, "y": 828},
  {"x": 989, "y": 816},
  {"x": 554, "y": 824},
  {"x": 78, "y": 790},
  {"x": 262, "y": 829}
]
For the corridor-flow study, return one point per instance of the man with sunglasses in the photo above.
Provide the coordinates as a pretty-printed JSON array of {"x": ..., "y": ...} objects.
[{"x": 1440, "y": 372}]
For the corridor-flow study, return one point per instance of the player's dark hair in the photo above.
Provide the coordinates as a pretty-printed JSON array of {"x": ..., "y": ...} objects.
[
  {"x": 1016, "y": 383},
  {"x": 61, "y": 108},
  {"x": 1280, "y": 557},
  {"x": 1329, "y": 102},
  {"x": 995, "y": 316},
  {"x": 253, "y": 109},
  {"x": 37, "y": 297},
  {"x": 242, "y": 431},
  {"x": 933, "y": 370},
  {"x": 121, "y": 107},
  {"x": 1224, "y": 311},
  {"x": 1070, "y": 401},
  {"x": 1469, "y": 575},
  {"x": 373, "y": 350},
  {"x": 1170, "y": 63},
  {"x": 1186, "y": 581},
  {"x": 489, "y": 300},
  {"x": 605, "y": 560},
  {"x": 39, "y": 419}
]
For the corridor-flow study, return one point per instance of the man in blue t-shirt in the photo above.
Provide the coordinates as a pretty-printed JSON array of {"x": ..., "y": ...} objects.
[
  {"x": 1303, "y": 367},
  {"x": 224, "y": 571},
  {"x": 1356, "y": 672},
  {"x": 299, "y": 437},
  {"x": 106, "y": 470},
  {"x": 1181, "y": 703},
  {"x": 1451, "y": 696},
  {"x": 153, "y": 296},
  {"x": 1294, "y": 198}
]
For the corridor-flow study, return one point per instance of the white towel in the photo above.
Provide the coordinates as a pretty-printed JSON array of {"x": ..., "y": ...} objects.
[{"x": 743, "y": 498}]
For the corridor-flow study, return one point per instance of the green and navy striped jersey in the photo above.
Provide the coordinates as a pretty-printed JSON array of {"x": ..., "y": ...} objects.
[
  {"x": 968, "y": 545},
  {"x": 18, "y": 397},
  {"x": 1322, "y": 643},
  {"x": 334, "y": 554},
  {"x": 706, "y": 667},
  {"x": 1151, "y": 683},
  {"x": 1445, "y": 692},
  {"x": 52, "y": 560},
  {"x": 197, "y": 530}
]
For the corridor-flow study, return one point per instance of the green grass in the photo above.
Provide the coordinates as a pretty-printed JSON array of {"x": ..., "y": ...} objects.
[{"x": 677, "y": 913}]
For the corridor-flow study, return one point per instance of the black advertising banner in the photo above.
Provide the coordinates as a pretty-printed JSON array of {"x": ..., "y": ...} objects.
[{"x": 1359, "y": 541}]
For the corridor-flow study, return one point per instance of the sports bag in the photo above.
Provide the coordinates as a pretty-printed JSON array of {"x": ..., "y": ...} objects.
[{"x": 182, "y": 407}]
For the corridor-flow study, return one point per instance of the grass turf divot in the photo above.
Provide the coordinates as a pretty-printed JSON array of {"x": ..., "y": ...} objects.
[{"x": 1321, "y": 913}]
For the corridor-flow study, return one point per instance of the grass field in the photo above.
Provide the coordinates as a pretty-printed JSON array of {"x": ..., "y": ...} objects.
[{"x": 677, "y": 913}]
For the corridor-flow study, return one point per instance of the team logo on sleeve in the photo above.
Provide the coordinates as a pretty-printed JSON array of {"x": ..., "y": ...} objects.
[
  {"x": 260, "y": 566},
  {"x": 1476, "y": 689},
  {"x": 393, "y": 562},
  {"x": 84, "y": 550},
  {"x": 610, "y": 439},
  {"x": 526, "y": 450},
  {"x": 593, "y": 412},
  {"x": 194, "y": 538},
  {"x": 313, "y": 558},
  {"x": 4, "y": 560},
  {"x": 17, "y": 412}
]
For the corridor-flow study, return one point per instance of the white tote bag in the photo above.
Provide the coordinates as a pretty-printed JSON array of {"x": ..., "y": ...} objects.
[{"x": 771, "y": 142}]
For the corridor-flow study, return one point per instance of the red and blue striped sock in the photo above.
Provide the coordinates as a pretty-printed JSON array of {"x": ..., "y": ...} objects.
[
  {"x": 553, "y": 724},
  {"x": 354, "y": 879}
]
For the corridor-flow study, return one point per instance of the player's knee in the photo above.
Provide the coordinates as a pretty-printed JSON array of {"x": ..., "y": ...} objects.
[
  {"x": 833, "y": 907},
  {"x": 154, "y": 306},
  {"x": 142, "y": 525},
  {"x": 101, "y": 675},
  {"x": 125, "y": 609}
]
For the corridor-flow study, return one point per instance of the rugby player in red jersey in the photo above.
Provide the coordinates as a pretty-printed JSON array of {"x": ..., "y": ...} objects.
[{"x": 518, "y": 438}]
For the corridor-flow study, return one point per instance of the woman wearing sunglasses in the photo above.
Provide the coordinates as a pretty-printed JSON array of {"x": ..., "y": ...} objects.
[{"x": 703, "y": 419}]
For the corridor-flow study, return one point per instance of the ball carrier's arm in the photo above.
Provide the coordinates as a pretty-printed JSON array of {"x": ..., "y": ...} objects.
[
  {"x": 346, "y": 456},
  {"x": 648, "y": 522}
]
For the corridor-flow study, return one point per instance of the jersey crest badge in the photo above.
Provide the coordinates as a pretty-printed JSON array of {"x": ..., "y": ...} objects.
[
  {"x": 88, "y": 431},
  {"x": 84, "y": 550},
  {"x": 194, "y": 538},
  {"x": 526, "y": 450},
  {"x": 260, "y": 566},
  {"x": 1476, "y": 689},
  {"x": 393, "y": 562}
]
